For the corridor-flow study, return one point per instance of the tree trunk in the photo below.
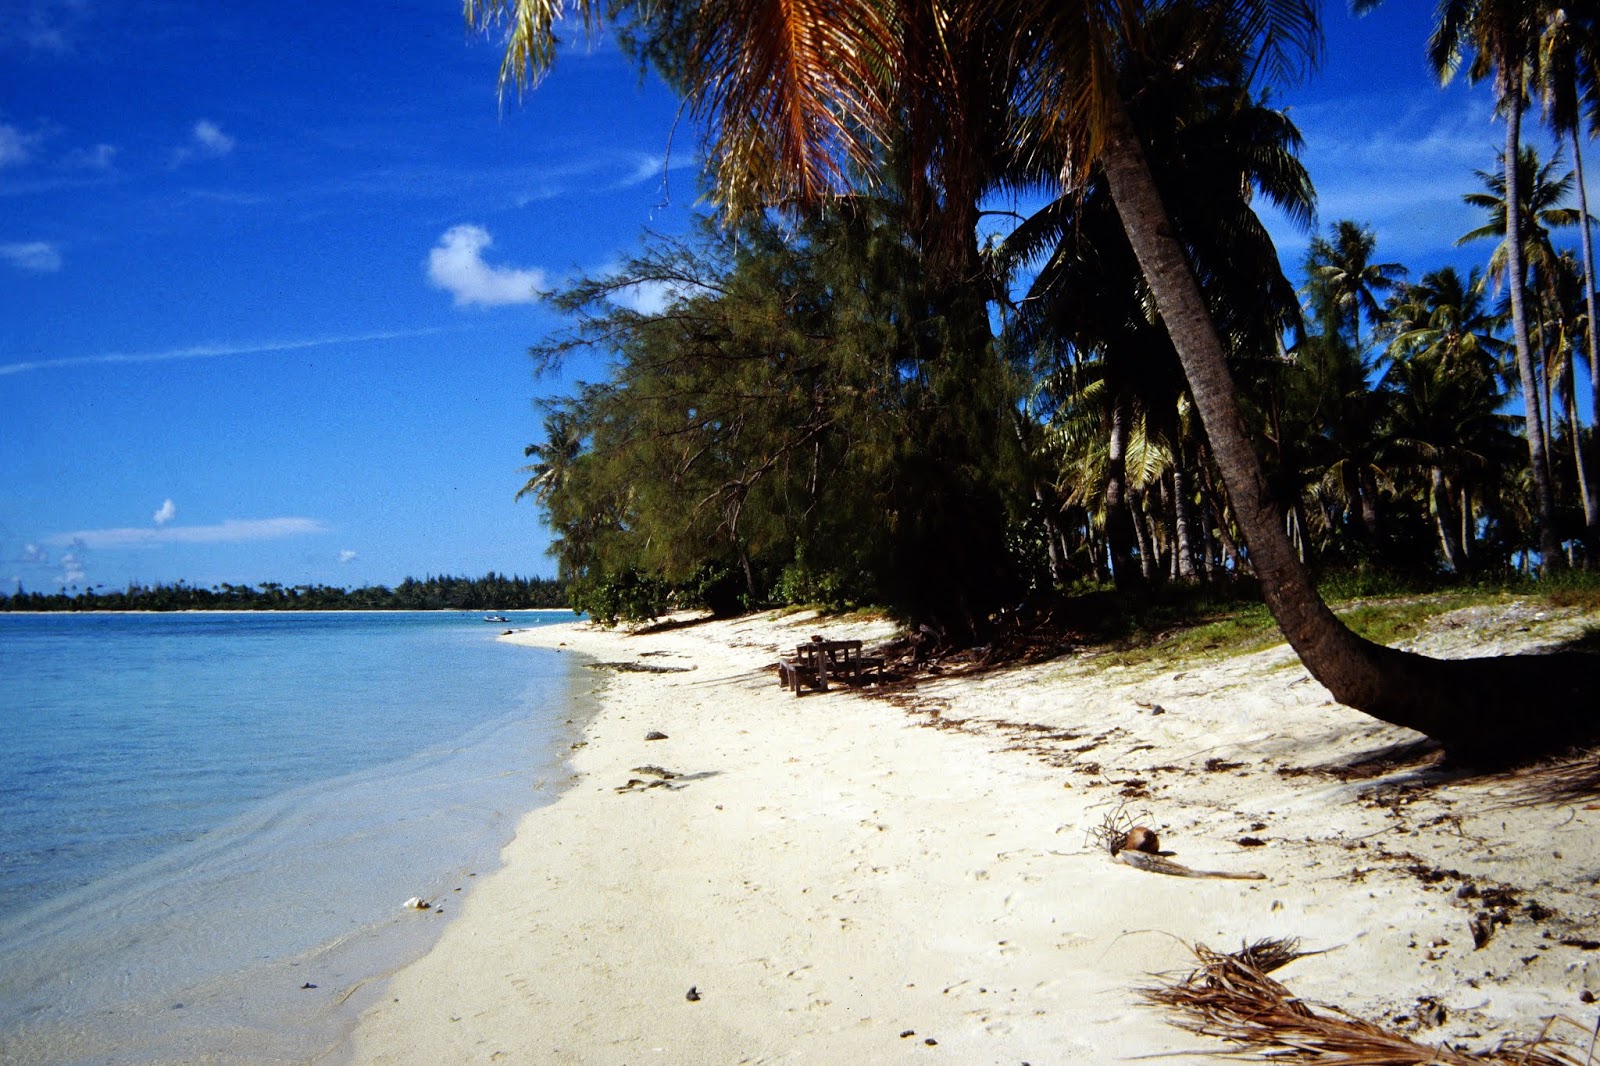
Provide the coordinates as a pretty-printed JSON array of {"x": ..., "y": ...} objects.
[
  {"x": 1549, "y": 543},
  {"x": 1465, "y": 704},
  {"x": 1232, "y": 559},
  {"x": 1445, "y": 518},
  {"x": 1591, "y": 499},
  {"x": 1369, "y": 503},
  {"x": 1120, "y": 531},
  {"x": 1183, "y": 516},
  {"x": 1052, "y": 537},
  {"x": 1149, "y": 556},
  {"x": 1579, "y": 460}
]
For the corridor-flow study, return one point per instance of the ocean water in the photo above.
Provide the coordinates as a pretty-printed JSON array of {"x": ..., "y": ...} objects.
[{"x": 209, "y": 823}]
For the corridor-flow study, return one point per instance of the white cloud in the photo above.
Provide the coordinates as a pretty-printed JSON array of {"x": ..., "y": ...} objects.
[
  {"x": 348, "y": 556},
  {"x": 14, "y": 147},
  {"x": 165, "y": 513},
  {"x": 100, "y": 157},
  {"x": 456, "y": 265},
  {"x": 35, "y": 257},
  {"x": 213, "y": 351},
  {"x": 210, "y": 139},
  {"x": 658, "y": 168},
  {"x": 44, "y": 25},
  {"x": 649, "y": 297},
  {"x": 228, "y": 531},
  {"x": 32, "y": 553},
  {"x": 72, "y": 570},
  {"x": 207, "y": 140}
]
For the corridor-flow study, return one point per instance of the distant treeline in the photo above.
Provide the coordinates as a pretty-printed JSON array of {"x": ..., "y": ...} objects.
[{"x": 492, "y": 592}]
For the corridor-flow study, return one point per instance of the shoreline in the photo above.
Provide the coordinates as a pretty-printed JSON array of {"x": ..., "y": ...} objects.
[
  {"x": 260, "y": 937},
  {"x": 839, "y": 877}
]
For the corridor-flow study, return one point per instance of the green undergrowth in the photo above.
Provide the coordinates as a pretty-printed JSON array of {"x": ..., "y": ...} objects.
[{"x": 1208, "y": 625}]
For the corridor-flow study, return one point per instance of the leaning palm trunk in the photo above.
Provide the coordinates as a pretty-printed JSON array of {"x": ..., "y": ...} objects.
[{"x": 1468, "y": 705}]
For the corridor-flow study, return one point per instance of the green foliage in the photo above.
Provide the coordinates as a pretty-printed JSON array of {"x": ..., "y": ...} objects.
[
  {"x": 492, "y": 592},
  {"x": 801, "y": 395},
  {"x": 833, "y": 590},
  {"x": 630, "y": 596}
]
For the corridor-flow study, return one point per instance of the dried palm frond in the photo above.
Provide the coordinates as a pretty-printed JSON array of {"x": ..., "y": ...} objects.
[
  {"x": 1112, "y": 830},
  {"x": 1232, "y": 998}
]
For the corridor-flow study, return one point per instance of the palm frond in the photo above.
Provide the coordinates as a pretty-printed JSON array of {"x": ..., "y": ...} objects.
[
  {"x": 795, "y": 92},
  {"x": 1230, "y": 996}
]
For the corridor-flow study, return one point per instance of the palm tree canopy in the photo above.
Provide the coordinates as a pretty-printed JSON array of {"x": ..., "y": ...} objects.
[
  {"x": 1349, "y": 279},
  {"x": 1541, "y": 194},
  {"x": 802, "y": 97}
]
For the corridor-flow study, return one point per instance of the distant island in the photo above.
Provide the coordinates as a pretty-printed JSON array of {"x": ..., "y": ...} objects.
[{"x": 492, "y": 592}]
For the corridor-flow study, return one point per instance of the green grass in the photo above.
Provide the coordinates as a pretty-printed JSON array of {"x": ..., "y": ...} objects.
[{"x": 1186, "y": 625}]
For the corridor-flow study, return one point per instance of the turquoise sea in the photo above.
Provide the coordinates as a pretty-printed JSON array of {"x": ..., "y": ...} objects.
[{"x": 209, "y": 823}]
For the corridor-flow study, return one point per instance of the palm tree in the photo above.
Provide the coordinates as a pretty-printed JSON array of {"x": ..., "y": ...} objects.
[
  {"x": 1502, "y": 37},
  {"x": 799, "y": 92},
  {"x": 1351, "y": 280},
  {"x": 1540, "y": 192},
  {"x": 1342, "y": 287},
  {"x": 1570, "y": 69},
  {"x": 552, "y": 458},
  {"x": 1444, "y": 398},
  {"x": 1213, "y": 149}
]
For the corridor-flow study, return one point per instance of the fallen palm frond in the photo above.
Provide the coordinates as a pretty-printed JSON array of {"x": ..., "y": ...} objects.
[
  {"x": 1232, "y": 998},
  {"x": 1112, "y": 830}
]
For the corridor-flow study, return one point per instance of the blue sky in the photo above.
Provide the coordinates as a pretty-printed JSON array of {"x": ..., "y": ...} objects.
[{"x": 267, "y": 269}]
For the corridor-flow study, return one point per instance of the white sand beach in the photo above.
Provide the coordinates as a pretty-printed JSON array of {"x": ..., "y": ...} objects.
[{"x": 851, "y": 877}]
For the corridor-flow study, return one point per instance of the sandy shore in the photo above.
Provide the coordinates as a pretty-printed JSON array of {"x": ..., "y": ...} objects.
[{"x": 844, "y": 878}]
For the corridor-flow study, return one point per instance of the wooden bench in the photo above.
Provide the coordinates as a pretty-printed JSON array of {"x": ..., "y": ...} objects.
[
  {"x": 846, "y": 661},
  {"x": 816, "y": 661},
  {"x": 810, "y": 666}
]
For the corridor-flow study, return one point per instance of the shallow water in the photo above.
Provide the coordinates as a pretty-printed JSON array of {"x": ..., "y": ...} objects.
[{"x": 201, "y": 815}]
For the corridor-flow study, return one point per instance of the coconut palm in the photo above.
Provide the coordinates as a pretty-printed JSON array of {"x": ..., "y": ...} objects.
[
  {"x": 1444, "y": 395},
  {"x": 1351, "y": 281},
  {"x": 1213, "y": 149},
  {"x": 1570, "y": 79},
  {"x": 1342, "y": 287},
  {"x": 800, "y": 94},
  {"x": 1501, "y": 39},
  {"x": 1541, "y": 192},
  {"x": 553, "y": 457}
]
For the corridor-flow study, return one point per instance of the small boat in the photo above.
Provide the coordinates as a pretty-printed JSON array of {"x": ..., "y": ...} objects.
[{"x": 495, "y": 618}]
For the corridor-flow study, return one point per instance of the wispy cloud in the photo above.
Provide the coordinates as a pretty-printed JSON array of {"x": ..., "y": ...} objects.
[
  {"x": 228, "y": 531},
  {"x": 456, "y": 265},
  {"x": 658, "y": 168},
  {"x": 1404, "y": 176},
  {"x": 210, "y": 138},
  {"x": 15, "y": 146},
  {"x": 42, "y": 25},
  {"x": 99, "y": 157},
  {"x": 165, "y": 513},
  {"x": 348, "y": 556},
  {"x": 211, "y": 351},
  {"x": 206, "y": 140},
  {"x": 33, "y": 257}
]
